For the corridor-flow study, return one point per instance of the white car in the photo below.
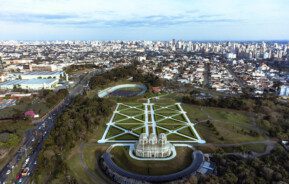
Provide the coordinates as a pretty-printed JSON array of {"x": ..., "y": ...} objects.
[
  {"x": 27, "y": 160},
  {"x": 8, "y": 172}
]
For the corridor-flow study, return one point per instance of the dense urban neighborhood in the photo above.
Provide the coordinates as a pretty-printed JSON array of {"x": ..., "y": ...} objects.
[{"x": 226, "y": 67}]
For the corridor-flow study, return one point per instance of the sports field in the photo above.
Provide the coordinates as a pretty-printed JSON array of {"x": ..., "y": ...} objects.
[{"x": 130, "y": 120}]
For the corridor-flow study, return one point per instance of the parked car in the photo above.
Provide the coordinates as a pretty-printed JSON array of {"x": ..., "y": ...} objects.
[{"x": 18, "y": 176}]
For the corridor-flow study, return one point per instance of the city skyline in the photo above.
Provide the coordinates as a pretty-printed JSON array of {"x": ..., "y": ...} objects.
[{"x": 149, "y": 20}]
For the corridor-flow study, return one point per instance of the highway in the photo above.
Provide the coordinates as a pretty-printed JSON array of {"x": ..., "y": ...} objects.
[{"x": 35, "y": 137}]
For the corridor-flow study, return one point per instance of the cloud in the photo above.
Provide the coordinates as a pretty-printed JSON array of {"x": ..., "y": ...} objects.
[
  {"x": 139, "y": 18},
  {"x": 165, "y": 21},
  {"x": 34, "y": 18},
  {"x": 92, "y": 21}
]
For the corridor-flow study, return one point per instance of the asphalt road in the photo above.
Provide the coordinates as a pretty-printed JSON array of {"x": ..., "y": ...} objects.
[
  {"x": 7, "y": 103},
  {"x": 35, "y": 138}
]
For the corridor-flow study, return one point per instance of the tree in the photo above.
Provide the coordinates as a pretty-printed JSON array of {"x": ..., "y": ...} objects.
[{"x": 82, "y": 116}]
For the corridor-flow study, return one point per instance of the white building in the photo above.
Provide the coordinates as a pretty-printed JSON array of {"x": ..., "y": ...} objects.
[
  {"x": 142, "y": 58},
  {"x": 42, "y": 75},
  {"x": 284, "y": 91},
  {"x": 2, "y": 77},
  {"x": 31, "y": 84},
  {"x": 153, "y": 147},
  {"x": 231, "y": 56}
]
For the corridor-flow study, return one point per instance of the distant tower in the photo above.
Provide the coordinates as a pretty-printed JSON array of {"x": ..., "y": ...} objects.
[{"x": 174, "y": 42}]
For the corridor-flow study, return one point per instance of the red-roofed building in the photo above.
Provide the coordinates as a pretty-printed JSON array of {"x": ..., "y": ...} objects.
[
  {"x": 156, "y": 89},
  {"x": 31, "y": 114}
]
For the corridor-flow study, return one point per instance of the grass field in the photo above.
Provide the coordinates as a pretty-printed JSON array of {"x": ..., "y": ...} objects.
[
  {"x": 181, "y": 161},
  {"x": 91, "y": 151},
  {"x": 77, "y": 170},
  {"x": 227, "y": 125}
]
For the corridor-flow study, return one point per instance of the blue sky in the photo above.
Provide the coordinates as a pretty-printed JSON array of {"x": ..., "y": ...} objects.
[{"x": 144, "y": 19}]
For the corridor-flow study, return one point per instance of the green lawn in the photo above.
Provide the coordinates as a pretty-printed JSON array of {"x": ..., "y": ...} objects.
[
  {"x": 166, "y": 99},
  {"x": 140, "y": 117},
  {"x": 187, "y": 131},
  {"x": 194, "y": 112},
  {"x": 126, "y": 137},
  {"x": 159, "y": 130},
  {"x": 129, "y": 126},
  {"x": 167, "y": 113},
  {"x": 176, "y": 137},
  {"x": 180, "y": 117},
  {"x": 181, "y": 161},
  {"x": 113, "y": 131},
  {"x": 132, "y": 112},
  {"x": 170, "y": 105},
  {"x": 168, "y": 121},
  {"x": 130, "y": 121},
  {"x": 139, "y": 131},
  {"x": 74, "y": 163},
  {"x": 230, "y": 126},
  {"x": 171, "y": 127},
  {"x": 118, "y": 117}
]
